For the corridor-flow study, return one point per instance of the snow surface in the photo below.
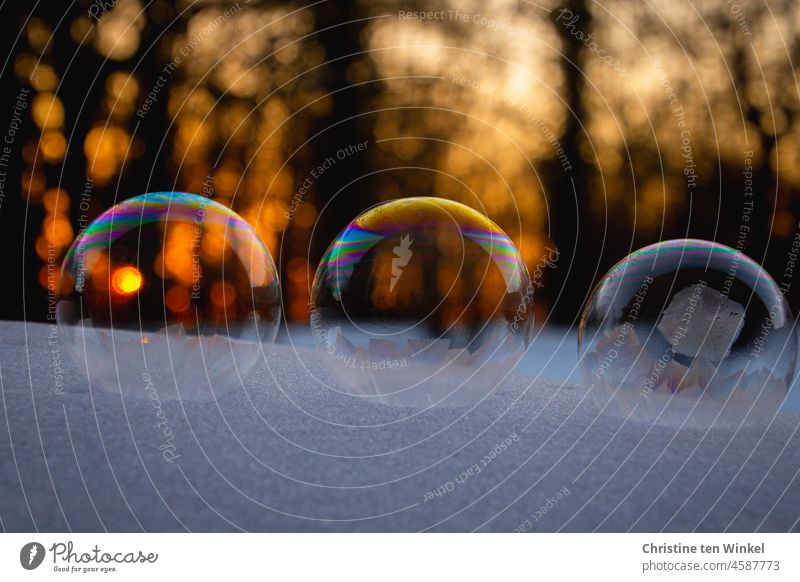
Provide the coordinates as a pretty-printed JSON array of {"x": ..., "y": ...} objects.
[{"x": 286, "y": 452}]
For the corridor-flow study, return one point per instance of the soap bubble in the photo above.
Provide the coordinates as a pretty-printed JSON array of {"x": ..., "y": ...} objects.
[
  {"x": 688, "y": 333},
  {"x": 168, "y": 295},
  {"x": 421, "y": 302}
]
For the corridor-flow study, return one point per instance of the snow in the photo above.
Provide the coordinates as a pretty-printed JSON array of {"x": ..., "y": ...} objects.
[{"x": 288, "y": 451}]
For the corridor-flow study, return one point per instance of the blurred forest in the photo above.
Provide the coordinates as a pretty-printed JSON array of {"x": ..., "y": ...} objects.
[{"x": 593, "y": 128}]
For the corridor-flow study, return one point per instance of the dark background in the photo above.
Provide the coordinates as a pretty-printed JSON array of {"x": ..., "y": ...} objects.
[{"x": 510, "y": 110}]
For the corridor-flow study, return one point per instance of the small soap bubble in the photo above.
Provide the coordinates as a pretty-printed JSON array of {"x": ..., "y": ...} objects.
[
  {"x": 688, "y": 333},
  {"x": 421, "y": 302},
  {"x": 168, "y": 295}
]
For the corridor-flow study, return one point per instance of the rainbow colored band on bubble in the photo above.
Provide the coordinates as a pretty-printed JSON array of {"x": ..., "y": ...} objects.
[
  {"x": 158, "y": 207},
  {"x": 630, "y": 273},
  {"x": 399, "y": 217},
  {"x": 155, "y": 207},
  {"x": 349, "y": 248},
  {"x": 505, "y": 255}
]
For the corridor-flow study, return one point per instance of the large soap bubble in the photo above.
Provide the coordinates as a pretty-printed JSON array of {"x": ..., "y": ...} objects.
[
  {"x": 168, "y": 295},
  {"x": 421, "y": 302},
  {"x": 688, "y": 333}
]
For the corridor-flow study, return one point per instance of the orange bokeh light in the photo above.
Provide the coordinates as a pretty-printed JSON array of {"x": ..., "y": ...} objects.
[
  {"x": 178, "y": 299},
  {"x": 222, "y": 294},
  {"x": 126, "y": 280}
]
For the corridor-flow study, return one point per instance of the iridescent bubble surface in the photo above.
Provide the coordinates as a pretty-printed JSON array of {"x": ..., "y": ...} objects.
[
  {"x": 688, "y": 333},
  {"x": 170, "y": 294},
  {"x": 421, "y": 302}
]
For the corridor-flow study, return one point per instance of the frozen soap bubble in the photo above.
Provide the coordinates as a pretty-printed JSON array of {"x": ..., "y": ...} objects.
[
  {"x": 168, "y": 295},
  {"x": 421, "y": 302},
  {"x": 688, "y": 333}
]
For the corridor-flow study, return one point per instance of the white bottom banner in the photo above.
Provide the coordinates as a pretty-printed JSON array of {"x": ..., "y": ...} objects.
[{"x": 353, "y": 557}]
